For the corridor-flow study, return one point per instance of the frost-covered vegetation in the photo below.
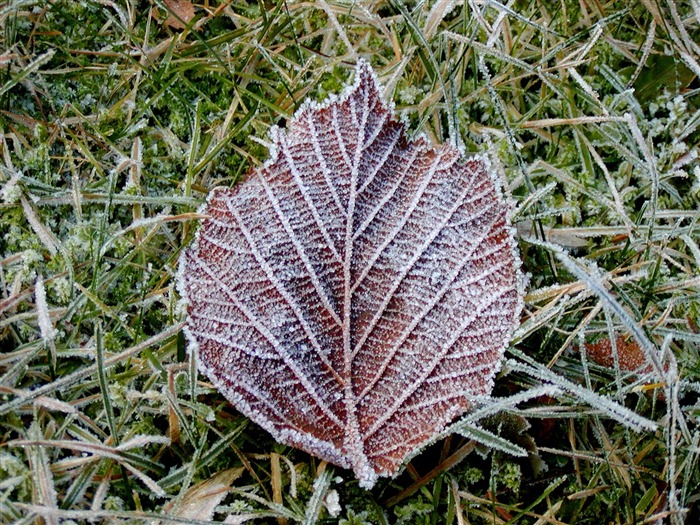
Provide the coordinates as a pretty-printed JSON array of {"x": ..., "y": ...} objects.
[{"x": 117, "y": 118}]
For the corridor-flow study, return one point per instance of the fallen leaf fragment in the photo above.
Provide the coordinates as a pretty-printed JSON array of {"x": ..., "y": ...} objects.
[
  {"x": 356, "y": 293},
  {"x": 631, "y": 357},
  {"x": 179, "y": 11},
  {"x": 200, "y": 501}
]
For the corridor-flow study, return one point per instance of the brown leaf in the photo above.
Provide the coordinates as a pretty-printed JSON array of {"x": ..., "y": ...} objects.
[
  {"x": 179, "y": 11},
  {"x": 356, "y": 293},
  {"x": 630, "y": 356}
]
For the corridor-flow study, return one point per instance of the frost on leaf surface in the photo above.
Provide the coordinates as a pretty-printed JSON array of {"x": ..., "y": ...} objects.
[{"x": 356, "y": 293}]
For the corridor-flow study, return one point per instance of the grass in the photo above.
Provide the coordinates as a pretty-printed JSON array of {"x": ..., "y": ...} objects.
[{"x": 114, "y": 125}]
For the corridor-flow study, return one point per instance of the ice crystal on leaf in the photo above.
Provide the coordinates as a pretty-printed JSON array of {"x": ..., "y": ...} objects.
[{"x": 356, "y": 293}]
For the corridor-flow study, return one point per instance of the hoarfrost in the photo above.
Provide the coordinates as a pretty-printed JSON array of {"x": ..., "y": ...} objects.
[
  {"x": 48, "y": 332},
  {"x": 356, "y": 293},
  {"x": 332, "y": 503}
]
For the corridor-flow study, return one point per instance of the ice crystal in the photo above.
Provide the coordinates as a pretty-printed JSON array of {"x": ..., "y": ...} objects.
[{"x": 356, "y": 293}]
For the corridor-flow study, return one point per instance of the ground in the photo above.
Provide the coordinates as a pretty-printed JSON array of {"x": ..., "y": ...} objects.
[{"x": 117, "y": 119}]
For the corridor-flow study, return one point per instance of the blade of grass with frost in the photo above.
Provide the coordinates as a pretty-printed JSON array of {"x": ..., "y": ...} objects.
[
  {"x": 104, "y": 388},
  {"x": 468, "y": 428},
  {"x": 61, "y": 198},
  {"x": 141, "y": 441},
  {"x": 491, "y": 440},
  {"x": 48, "y": 239},
  {"x": 87, "y": 371},
  {"x": 194, "y": 462},
  {"x": 98, "y": 451},
  {"x": 40, "y": 464},
  {"x": 679, "y": 335},
  {"x": 219, "y": 146},
  {"x": 321, "y": 485},
  {"x": 542, "y": 319},
  {"x": 208, "y": 457},
  {"x": 27, "y": 70},
  {"x": 433, "y": 67},
  {"x": 46, "y": 328},
  {"x": 500, "y": 404},
  {"x": 675, "y": 429},
  {"x": 619, "y": 413},
  {"x": 580, "y": 269},
  {"x": 531, "y": 201},
  {"x": 55, "y": 405},
  {"x": 156, "y": 222},
  {"x": 109, "y": 516},
  {"x": 29, "y": 351},
  {"x": 575, "y": 333},
  {"x": 650, "y": 164},
  {"x": 278, "y": 511}
]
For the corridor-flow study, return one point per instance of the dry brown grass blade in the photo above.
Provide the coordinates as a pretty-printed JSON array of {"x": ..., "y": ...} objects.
[
  {"x": 276, "y": 481},
  {"x": 444, "y": 466},
  {"x": 200, "y": 501}
]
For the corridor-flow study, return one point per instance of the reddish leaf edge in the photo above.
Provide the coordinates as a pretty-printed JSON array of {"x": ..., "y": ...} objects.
[{"x": 368, "y": 477}]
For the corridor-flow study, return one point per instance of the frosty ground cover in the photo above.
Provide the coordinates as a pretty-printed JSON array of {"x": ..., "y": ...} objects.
[{"x": 118, "y": 118}]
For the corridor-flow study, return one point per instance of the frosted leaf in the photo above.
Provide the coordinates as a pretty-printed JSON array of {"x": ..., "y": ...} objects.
[{"x": 356, "y": 293}]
